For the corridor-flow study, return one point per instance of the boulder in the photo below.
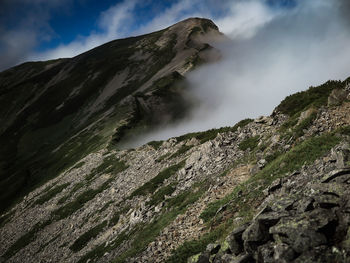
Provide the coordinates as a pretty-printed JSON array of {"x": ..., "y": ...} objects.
[
  {"x": 304, "y": 232},
  {"x": 337, "y": 96},
  {"x": 283, "y": 253},
  {"x": 235, "y": 241},
  {"x": 255, "y": 235},
  {"x": 213, "y": 248},
  {"x": 261, "y": 163}
]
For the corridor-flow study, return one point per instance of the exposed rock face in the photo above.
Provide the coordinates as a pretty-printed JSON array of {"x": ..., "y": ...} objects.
[
  {"x": 337, "y": 97},
  {"x": 307, "y": 221}
]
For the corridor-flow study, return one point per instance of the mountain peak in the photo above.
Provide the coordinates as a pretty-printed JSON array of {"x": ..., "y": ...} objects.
[{"x": 204, "y": 23}]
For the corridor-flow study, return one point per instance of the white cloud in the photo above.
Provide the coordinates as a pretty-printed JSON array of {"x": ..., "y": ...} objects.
[
  {"x": 175, "y": 13},
  {"x": 244, "y": 18},
  {"x": 114, "y": 23},
  {"x": 280, "y": 53}
]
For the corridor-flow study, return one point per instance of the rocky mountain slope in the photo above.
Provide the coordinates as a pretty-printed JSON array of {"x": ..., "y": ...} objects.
[
  {"x": 272, "y": 189},
  {"x": 55, "y": 112}
]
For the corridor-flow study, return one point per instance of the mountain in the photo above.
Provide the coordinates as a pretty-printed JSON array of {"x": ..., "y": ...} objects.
[
  {"x": 55, "y": 112},
  {"x": 270, "y": 189}
]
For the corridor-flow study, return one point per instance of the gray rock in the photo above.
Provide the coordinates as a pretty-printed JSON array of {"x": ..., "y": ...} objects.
[
  {"x": 261, "y": 163},
  {"x": 255, "y": 235},
  {"x": 213, "y": 248},
  {"x": 334, "y": 174},
  {"x": 265, "y": 253},
  {"x": 304, "y": 232},
  {"x": 244, "y": 259},
  {"x": 305, "y": 204},
  {"x": 271, "y": 218},
  {"x": 327, "y": 201},
  {"x": 204, "y": 258},
  {"x": 283, "y": 253},
  {"x": 337, "y": 96},
  {"x": 273, "y": 187},
  {"x": 235, "y": 241},
  {"x": 283, "y": 204}
]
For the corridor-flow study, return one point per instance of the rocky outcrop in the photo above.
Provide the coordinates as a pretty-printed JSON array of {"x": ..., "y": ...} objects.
[
  {"x": 304, "y": 218},
  {"x": 337, "y": 96}
]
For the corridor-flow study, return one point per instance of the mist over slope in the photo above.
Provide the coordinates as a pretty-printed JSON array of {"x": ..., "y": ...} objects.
[
  {"x": 272, "y": 53},
  {"x": 272, "y": 189}
]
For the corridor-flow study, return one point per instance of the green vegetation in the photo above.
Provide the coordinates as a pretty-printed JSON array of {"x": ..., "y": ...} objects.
[
  {"x": 245, "y": 195},
  {"x": 142, "y": 235},
  {"x": 176, "y": 206},
  {"x": 161, "y": 86},
  {"x": 273, "y": 156},
  {"x": 50, "y": 194},
  {"x": 6, "y": 218},
  {"x": 71, "y": 193},
  {"x": 42, "y": 144},
  {"x": 43, "y": 246},
  {"x": 314, "y": 96},
  {"x": 71, "y": 207},
  {"x": 249, "y": 143},
  {"x": 211, "y": 134},
  {"x": 159, "y": 196},
  {"x": 100, "y": 250},
  {"x": 163, "y": 157},
  {"x": 194, "y": 31},
  {"x": 298, "y": 131},
  {"x": 290, "y": 127},
  {"x": 87, "y": 236},
  {"x": 152, "y": 185},
  {"x": 184, "y": 148},
  {"x": 78, "y": 165},
  {"x": 344, "y": 130},
  {"x": 106, "y": 205},
  {"x": 110, "y": 165},
  {"x": 193, "y": 247},
  {"x": 155, "y": 144},
  {"x": 25, "y": 239},
  {"x": 290, "y": 123}
]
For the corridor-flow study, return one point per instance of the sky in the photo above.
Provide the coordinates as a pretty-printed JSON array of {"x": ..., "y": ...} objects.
[
  {"x": 48, "y": 29},
  {"x": 276, "y": 47}
]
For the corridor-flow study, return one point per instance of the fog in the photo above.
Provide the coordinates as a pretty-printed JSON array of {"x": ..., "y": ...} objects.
[{"x": 280, "y": 53}]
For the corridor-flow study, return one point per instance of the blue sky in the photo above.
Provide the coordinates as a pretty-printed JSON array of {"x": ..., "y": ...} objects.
[{"x": 46, "y": 29}]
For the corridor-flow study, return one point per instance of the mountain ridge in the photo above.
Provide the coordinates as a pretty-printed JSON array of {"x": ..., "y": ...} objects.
[
  {"x": 270, "y": 189},
  {"x": 101, "y": 94}
]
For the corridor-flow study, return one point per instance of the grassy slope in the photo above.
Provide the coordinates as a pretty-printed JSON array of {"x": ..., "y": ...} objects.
[{"x": 29, "y": 158}]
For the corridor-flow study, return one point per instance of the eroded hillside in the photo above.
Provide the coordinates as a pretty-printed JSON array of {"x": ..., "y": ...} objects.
[
  {"x": 56, "y": 112},
  {"x": 273, "y": 189}
]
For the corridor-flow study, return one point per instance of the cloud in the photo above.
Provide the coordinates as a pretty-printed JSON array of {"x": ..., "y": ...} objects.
[
  {"x": 114, "y": 23},
  {"x": 176, "y": 12},
  {"x": 279, "y": 53},
  {"x": 22, "y": 29},
  {"x": 119, "y": 21},
  {"x": 244, "y": 18}
]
